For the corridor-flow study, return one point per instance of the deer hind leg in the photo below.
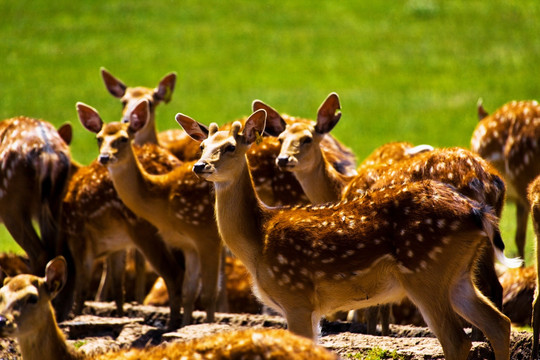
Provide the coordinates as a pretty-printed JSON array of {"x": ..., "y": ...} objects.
[
  {"x": 22, "y": 230},
  {"x": 114, "y": 271},
  {"x": 210, "y": 276},
  {"x": 434, "y": 304},
  {"x": 477, "y": 309}
]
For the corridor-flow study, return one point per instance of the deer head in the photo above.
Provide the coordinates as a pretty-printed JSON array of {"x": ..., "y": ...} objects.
[
  {"x": 110, "y": 144},
  {"x": 24, "y": 298}
]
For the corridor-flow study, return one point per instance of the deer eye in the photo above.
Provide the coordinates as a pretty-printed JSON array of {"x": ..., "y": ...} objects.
[
  {"x": 99, "y": 141},
  {"x": 306, "y": 140},
  {"x": 201, "y": 147},
  {"x": 32, "y": 299},
  {"x": 229, "y": 148}
]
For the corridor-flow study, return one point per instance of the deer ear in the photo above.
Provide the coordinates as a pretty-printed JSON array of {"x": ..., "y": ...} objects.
[
  {"x": 56, "y": 275},
  {"x": 66, "y": 132},
  {"x": 139, "y": 116},
  {"x": 275, "y": 124},
  {"x": 254, "y": 126},
  {"x": 328, "y": 114},
  {"x": 116, "y": 87},
  {"x": 194, "y": 129},
  {"x": 165, "y": 88},
  {"x": 482, "y": 113},
  {"x": 89, "y": 117}
]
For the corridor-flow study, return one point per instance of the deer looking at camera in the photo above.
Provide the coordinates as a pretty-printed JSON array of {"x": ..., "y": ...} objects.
[
  {"x": 177, "y": 203},
  {"x": 308, "y": 261},
  {"x": 274, "y": 187},
  {"x": 26, "y": 314},
  {"x": 509, "y": 140},
  {"x": 394, "y": 163}
]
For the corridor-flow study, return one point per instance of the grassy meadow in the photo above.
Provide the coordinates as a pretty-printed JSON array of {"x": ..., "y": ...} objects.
[{"x": 405, "y": 70}]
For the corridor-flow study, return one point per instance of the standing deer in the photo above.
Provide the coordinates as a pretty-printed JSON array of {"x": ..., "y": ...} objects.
[
  {"x": 34, "y": 171},
  {"x": 308, "y": 261},
  {"x": 26, "y": 314},
  {"x": 509, "y": 140},
  {"x": 167, "y": 201},
  {"x": 97, "y": 224}
]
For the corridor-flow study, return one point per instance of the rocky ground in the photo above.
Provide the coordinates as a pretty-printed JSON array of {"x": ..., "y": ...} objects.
[{"x": 98, "y": 330}]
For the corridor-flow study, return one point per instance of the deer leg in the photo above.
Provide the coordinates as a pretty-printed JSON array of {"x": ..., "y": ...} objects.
[
  {"x": 140, "y": 276},
  {"x": 168, "y": 264},
  {"x": 522, "y": 217},
  {"x": 303, "y": 321},
  {"x": 384, "y": 315},
  {"x": 21, "y": 229},
  {"x": 116, "y": 266},
  {"x": 83, "y": 270},
  {"x": 210, "y": 274},
  {"x": 190, "y": 288},
  {"x": 434, "y": 304},
  {"x": 475, "y": 308},
  {"x": 372, "y": 316}
]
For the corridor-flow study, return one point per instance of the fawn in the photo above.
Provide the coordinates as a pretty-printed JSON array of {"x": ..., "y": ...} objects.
[
  {"x": 177, "y": 203},
  {"x": 508, "y": 139},
  {"x": 308, "y": 261},
  {"x": 96, "y": 223},
  {"x": 26, "y": 314}
]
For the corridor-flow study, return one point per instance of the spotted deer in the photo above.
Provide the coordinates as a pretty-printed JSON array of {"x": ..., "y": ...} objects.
[
  {"x": 34, "y": 169},
  {"x": 509, "y": 140},
  {"x": 97, "y": 224},
  {"x": 26, "y": 314},
  {"x": 534, "y": 200},
  {"x": 307, "y": 261},
  {"x": 35, "y": 165},
  {"x": 167, "y": 201}
]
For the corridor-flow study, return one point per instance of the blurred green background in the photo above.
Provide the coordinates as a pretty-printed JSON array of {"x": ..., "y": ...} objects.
[{"x": 405, "y": 70}]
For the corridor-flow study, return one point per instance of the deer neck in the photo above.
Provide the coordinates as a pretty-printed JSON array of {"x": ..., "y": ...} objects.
[
  {"x": 132, "y": 183},
  {"x": 48, "y": 344},
  {"x": 240, "y": 217},
  {"x": 321, "y": 183}
]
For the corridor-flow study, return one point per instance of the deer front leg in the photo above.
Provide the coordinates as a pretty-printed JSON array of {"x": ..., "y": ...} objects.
[
  {"x": 210, "y": 275},
  {"x": 191, "y": 284},
  {"x": 303, "y": 321}
]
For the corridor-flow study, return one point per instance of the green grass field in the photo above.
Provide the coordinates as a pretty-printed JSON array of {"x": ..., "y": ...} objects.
[{"x": 405, "y": 70}]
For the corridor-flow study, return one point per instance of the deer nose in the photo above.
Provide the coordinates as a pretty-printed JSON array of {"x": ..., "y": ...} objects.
[
  {"x": 282, "y": 160},
  {"x": 3, "y": 321},
  {"x": 104, "y": 158},
  {"x": 199, "y": 167}
]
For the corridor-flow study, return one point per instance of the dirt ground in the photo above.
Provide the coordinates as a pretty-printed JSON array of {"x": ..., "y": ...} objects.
[{"x": 98, "y": 331}]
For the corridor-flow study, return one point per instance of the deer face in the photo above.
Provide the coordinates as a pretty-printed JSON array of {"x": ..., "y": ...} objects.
[
  {"x": 25, "y": 299},
  {"x": 299, "y": 147},
  {"x": 219, "y": 154},
  {"x": 113, "y": 140}
]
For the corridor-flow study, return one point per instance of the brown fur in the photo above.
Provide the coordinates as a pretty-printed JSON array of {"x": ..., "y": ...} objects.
[
  {"x": 508, "y": 139},
  {"x": 27, "y": 315},
  {"x": 307, "y": 261}
]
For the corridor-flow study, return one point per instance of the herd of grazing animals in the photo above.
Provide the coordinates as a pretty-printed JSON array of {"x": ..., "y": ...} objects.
[{"x": 316, "y": 233}]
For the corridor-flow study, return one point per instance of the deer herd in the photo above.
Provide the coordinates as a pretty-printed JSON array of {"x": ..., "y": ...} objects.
[{"x": 317, "y": 233}]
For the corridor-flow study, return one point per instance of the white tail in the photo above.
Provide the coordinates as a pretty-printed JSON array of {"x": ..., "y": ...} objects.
[
  {"x": 178, "y": 203},
  {"x": 26, "y": 314},
  {"x": 308, "y": 261}
]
